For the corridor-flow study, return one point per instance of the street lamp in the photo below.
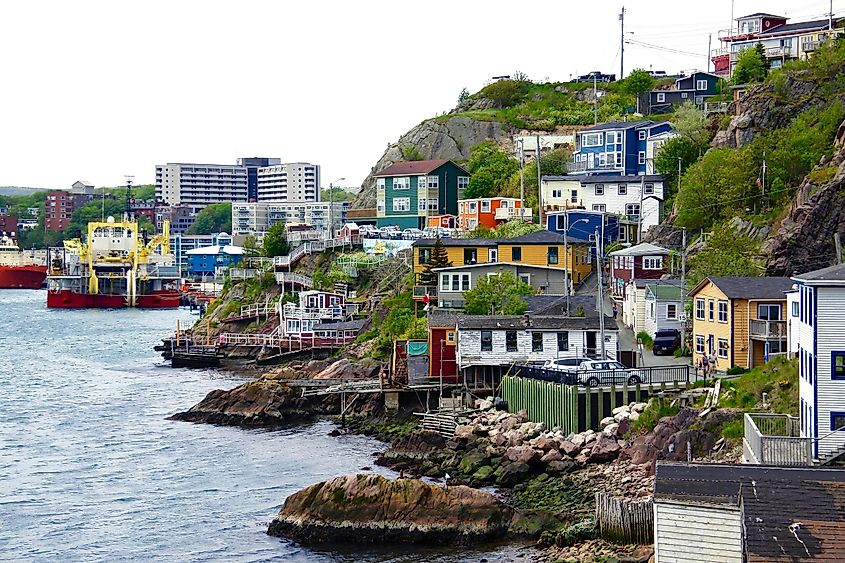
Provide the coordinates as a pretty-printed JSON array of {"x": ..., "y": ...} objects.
[
  {"x": 331, "y": 206},
  {"x": 566, "y": 227}
]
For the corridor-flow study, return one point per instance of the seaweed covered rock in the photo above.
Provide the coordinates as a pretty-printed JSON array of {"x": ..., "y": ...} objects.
[{"x": 371, "y": 509}]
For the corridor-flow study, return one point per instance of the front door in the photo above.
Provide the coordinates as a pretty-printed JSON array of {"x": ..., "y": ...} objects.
[
  {"x": 591, "y": 343},
  {"x": 494, "y": 254}
]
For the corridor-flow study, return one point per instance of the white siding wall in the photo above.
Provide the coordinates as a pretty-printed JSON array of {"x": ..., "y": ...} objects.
[
  {"x": 616, "y": 203},
  {"x": 791, "y": 324},
  {"x": 660, "y": 320},
  {"x": 696, "y": 534},
  {"x": 469, "y": 347},
  {"x": 634, "y": 313},
  {"x": 830, "y": 394}
]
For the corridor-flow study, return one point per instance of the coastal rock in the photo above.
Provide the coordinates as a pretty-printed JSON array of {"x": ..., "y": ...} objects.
[
  {"x": 525, "y": 454},
  {"x": 606, "y": 421},
  {"x": 464, "y": 431},
  {"x": 344, "y": 369},
  {"x": 373, "y": 509},
  {"x": 511, "y": 473},
  {"x": 569, "y": 448},
  {"x": 552, "y": 455},
  {"x": 605, "y": 449},
  {"x": 561, "y": 466}
]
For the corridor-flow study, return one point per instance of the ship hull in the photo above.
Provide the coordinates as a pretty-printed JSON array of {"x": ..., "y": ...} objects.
[
  {"x": 22, "y": 277},
  {"x": 67, "y": 299}
]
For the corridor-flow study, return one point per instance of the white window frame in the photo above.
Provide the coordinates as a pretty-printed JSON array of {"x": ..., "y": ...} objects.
[
  {"x": 699, "y": 344},
  {"x": 591, "y": 140},
  {"x": 463, "y": 182},
  {"x": 701, "y": 85},
  {"x": 648, "y": 189},
  {"x": 684, "y": 95},
  {"x": 401, "y": 204},
  {"x": 700, "y": 309},
  {"x": 433, "y": 182},
  {"x": 661, "y": 97},
  {"x": 525, "y": 277},
  {"x": 421, "y": 204},
  {"x": 380, "y": 183},
  {"x": 641, "y": 157},
  {"x": 485, "y": 206},
  {"x": 599, "y": 189},
  {"x": 630, "y": 207},
  {"x": 642, "y": 135},
  {"x": 673, "y": 315},
  {"x": 720, "y": 351},
  {"x": 573, "y": 196},
  {"x": 720, "y": 309},
  {"x": 599, "y": 207},
  {"x": 421, "y": 183},
  {"x": 402, "y": 183},
  {"x": 472, "y": 207},
  {"x": 652, "y": 262},
  {"x": 622, "y": 189}
]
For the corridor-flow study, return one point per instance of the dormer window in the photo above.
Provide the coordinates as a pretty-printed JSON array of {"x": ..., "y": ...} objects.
[{"x": 749, "y": 26}]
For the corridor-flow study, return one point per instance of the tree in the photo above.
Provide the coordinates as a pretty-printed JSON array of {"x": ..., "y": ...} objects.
[
  {"x": 411, "y": 152},
  {"x": 691, "y": 124},
  {"x": 250, "y": 246},
  {"x": 637, "y": 82},
  {"x": 275, "y": 241},
  {"x": 463, "y": 96},
  {"x": 727, "y": 253},
  {"x": 500, "y": 294},
  {"x": 95, "y": 210},
  {"x": 490, "y": 167},
  {"x": 666, "y": 161},
  {"x": 439, "y": 259},
  {"x": 215, "y": 218},
  {"x": 751, "y": 66},
  {"x": 506, "y": 93}
]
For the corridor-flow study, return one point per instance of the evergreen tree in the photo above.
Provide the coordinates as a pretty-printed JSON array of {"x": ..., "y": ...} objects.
[{"x": 439, "y": 259}]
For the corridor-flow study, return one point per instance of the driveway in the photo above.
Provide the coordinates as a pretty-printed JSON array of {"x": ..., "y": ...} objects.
[{"x": 627, "y": 339}]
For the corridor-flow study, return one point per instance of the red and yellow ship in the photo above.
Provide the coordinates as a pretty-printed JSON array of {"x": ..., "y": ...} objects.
[
  {"x": 115, "y": 267},
  {"x": 20, "y": 270}
]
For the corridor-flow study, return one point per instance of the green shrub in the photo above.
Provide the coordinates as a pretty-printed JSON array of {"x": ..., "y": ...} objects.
[
  {"x": 645, "y": 338},
  {"x": 736, "y": 370},
  {"x": 822, "y": 175},
  {"x": 733, "y": 430},
  {"x": 651, "y": 416}
]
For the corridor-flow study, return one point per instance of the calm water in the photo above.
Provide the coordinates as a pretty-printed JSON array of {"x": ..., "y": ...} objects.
[{"x": 91, "y": 470}]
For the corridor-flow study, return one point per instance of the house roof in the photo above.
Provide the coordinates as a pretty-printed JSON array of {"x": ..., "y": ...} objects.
[
  {"x": 748, "y": 287},
  {"x": 665, "y": 291},
  {"x": 227, "y": 249},
  {"x": 495, "y": 264},
  {"x": 449, "y": 241},
  {"x": 761, "y": 15},
  {"x": 413, "y": 167},
  {"x": 834, "y": 273},
  {"x": 619, "y": 125},
  {"x": 346, "y": 325},
  {"x": 789, "y": 513},
  {"x": 797, "y": 27},
  {"x": 618, "y": 179},
  {"x": 555, "y": 305},
  {"x": 439, "y": 318},
  {"x": 542, "y": 237},
  {"x": 641, "y": 250},
  {"x": 529, "y": 322}
]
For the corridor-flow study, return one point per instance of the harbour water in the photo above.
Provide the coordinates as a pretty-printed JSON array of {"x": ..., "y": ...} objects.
[{"x": 91, "y": 470}]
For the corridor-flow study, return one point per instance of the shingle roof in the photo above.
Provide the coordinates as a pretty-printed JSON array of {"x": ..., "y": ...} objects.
[
  {"x": 555, "y": 305},
  {"x": 547, "y": 322},
  {"x": 346, "y": 325},
  {"x": 440, "y": 318},
  {"x": 831, "y": 273},
  {"x": 643, "y": 249},
  {"x": 749, "y": 287},
  {"x": 797, "y": 26},
  {"x": 449, "y": 241},
  {"x": 790, "y": 513},
  {"x": 760, "y": 15},
  {"x": 542, "y": 237},
  {"x": 619, "y": 125},
  {"x": 412, "y": 167}
]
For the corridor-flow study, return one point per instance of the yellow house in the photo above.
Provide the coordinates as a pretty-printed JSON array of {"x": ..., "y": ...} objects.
[
  {"x": 542, "y": 248},
  {"x": 741, "y": 320}
]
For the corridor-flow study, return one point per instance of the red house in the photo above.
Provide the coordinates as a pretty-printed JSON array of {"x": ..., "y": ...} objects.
[
  {"x": 489, "y": 212},
  {"x": 643, "y": 261},
  {"x": 9, "y": 226},
  {"x": 442, "y": 341}
]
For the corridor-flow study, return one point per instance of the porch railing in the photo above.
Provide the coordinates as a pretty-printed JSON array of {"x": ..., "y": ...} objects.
[
  {"x": 774, "y": 439},
  {"x": 768, "y": 329}
]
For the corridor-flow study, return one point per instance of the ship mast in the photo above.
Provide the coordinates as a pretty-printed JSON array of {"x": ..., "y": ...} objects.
[{"x": 129, "y": 179}]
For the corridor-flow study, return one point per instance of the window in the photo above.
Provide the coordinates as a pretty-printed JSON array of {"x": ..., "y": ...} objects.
[
  {"x": 454, "y": 282},
  {"x": 450, "y": 337},
  {"x": 573, "y": 196},
  {"x": 510, "y": 341},
  {"x": 401, "y": 204},
  {"x": 562, "y": 341},
  {"x": 768, "y": 312},
  {"x": 552, "y": 255},
  {"x": 652, "y": 263},
  {"x": 557, "y": 193},
  {"x": 661, "y": 97},
  {"x": 425, "y": 255},
  {"x": 421, "y": 204},
  {"x": 380, "y": 183},
  {"x": 699, "y": 309},
  {"x": 684, "y": 95},
  {"x": 433, "y": 182},
  {"x": 642, "y": 135},
  {"x": 485, "y": 206},
  {"x": 622, "y": 189},
  {"x": 723, "y": 311},
  {"x": 711, "y": 310},
  {"x": 536, "y": 341},
  {"x": 516, "y": 253},
  {"x": 591, "y": 139},
  {"x": 837, "y": 365},
  {"x": 699, "y": 344},
  {"x": 472, "y": 207},
  {"x": 463, "y": 182},
  {"x": 701, "y": 85},
  {"x": 526, "y": 278},
  {"x": 671, "y": 311},
  {"x": 470, "y": 255},
  {"x": 421, "y": 182},
  {"x": 599, "y": 189},
  {"x": 464, "y": 282},
  {"x": 444, "y": 282},
  {"x": 632, "y": 209},
  {"x": 795, "y": 309},
  {"x": 402, "y": 183},
  {"x": 722, "y": 348},
  {"x": 648, "y": 189},
  {"x": 599, "y": 207},
  {"x": 641, "y": 157},
  {"x": 486, "y": 340}
]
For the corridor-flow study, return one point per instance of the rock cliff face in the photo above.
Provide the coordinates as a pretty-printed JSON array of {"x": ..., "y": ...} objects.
[
  {"x": 450, "y": 138},
  {"x": 370, "y": 509}
]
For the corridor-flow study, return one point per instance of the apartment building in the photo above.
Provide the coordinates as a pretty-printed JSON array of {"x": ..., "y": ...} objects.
[
  {"x": 252, "y": 164},
  {"x": 294, "y": 181},
  {"x": 256, "y": 218},
  {"x": 200, "y": 185}
]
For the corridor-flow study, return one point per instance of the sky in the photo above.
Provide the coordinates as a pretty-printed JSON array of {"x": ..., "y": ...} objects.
[{"x": 98, "y": 90}]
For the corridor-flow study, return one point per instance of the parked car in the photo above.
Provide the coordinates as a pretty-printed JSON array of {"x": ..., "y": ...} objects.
[
  {"x": 368, "y": 231},
  {"x": 596, "y": 76},
  {"x": 434, "y": 232},
  {"x": 412, "y": 234},
  {"x": 666, "y": 341},
  {"x": 565, "y": 364},
  {"x": 593, "y": 373},
  {"x": 390, "y": 231}
]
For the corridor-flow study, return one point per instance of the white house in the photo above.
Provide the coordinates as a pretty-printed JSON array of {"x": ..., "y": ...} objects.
[
  {"x": 633, "y": 305},
  {"x": 792, "y": 322},
  {"x": 561, "y": 192},
  {"x": 637, "y": 198},
  {"x": 313, "y": 308},
  {"x": 821, "y": 353},
  {"x": 504, "y": 340},
  {"x": 663, "y": 307}
]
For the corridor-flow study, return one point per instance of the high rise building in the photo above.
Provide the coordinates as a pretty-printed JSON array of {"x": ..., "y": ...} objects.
[
  {"x": 294, "y": 181},
  {"x": 252, "y": 164},
  {"x": 200, "y": 185}
]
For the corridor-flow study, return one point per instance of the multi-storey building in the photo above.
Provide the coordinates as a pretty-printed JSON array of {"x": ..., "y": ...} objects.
[
  {"x": 256, "y": 218},
  {"x": 295, "y": 181},
  {"x": 144, "y": 208},
  {"x": 58, "y": 209},
  {"x": 252, "y": 164},
  {"x": 618, "y": 148},
  {"x": 781, "y": 41},
  {"x": 8, "y": 225},
  {"x": 490, "y": 212},
  {"x": 180, "y": 216},
  {"x": 693, "y": 88},
  {"x": 200, "y": 185}
]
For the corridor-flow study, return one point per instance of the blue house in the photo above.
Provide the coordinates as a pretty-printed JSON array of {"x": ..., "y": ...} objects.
[
  {"x": 619, "y": 148},
  {"x": 583, "y": 224},
  {"x": 205, "y": 261},
  {"x": 695, "y": 88}
]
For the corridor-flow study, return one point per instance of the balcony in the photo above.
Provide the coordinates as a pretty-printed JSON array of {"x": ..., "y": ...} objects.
[
  {"x": 774, "y": 439},
  {"x": 573, "y": 167},
  {"x": 767, "y": 330},
  {"x": 420, "y": 291},
  {"x": 508, "y": 213},
  {"x": 779, "y": 53}
]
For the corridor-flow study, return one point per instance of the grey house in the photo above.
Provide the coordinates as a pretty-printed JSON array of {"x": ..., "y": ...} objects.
[
  {"x": 694, "y": 88},
  {"x": 453, "y": 281}
]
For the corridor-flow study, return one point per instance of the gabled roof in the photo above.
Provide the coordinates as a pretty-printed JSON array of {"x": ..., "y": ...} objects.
[
  {"x": 542, "y": 237},
  {"x": 812, "y": 25},
  {"x": 555, "y": 305},
  {"x": 531, "y": 322},
  {"x": 439, "y": 318},
  {"x": 346, "y": 325},
  {"x": 665, "y": 291},
  {"x": 789, "y": 513},
  {"x": 449, "y": 241},
  {"x": 413, "y": 167},
  {"x": 228, "y": 249},
  {"x": 748, "y": 287},
  {"x": 644, "y": 249},
  {"x": 824, "y": 276}
]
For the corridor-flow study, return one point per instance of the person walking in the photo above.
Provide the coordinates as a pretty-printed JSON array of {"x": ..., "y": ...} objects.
[
  {"x": 705, "y": 368},
  {"x": 615, "y": 310},
  {"x": 711, "y": 359}
]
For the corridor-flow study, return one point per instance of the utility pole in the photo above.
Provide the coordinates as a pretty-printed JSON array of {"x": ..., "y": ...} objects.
[
  {"x": 763, "y": 183},
  {"x": 640, "y": 214},
  {"x": 622, "y": 45},
  {"x": 600, "y": 287},
  {"x": 595, "y": 101},
  {"x": 522, "y": 171},
  {"x": 539, "y": 185},
  {"x": 129, "y": 179},
  {"x": 709, "y": 45},
  {"x": 684, "y": 289},
  {"x": 830, "y": 17},
  {"x": 567, "y": 277}
]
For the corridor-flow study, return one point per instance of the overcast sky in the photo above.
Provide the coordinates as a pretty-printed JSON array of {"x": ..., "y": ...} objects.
[{"x": 96, "y": 90}]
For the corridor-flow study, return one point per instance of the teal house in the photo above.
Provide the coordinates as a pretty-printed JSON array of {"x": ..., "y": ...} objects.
[{"x": 408, "y": 193}]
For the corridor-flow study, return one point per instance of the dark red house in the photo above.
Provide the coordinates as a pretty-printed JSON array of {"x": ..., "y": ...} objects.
[
  {"x": 442, "y": 341},
  {"x": 641, "y": 262}
]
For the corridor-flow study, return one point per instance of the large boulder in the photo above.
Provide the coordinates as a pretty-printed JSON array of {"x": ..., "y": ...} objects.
[
  {"x": 606, "y": 448},
  {"x": 373, "y": 509},
  {"x": 525, "y": 454},
  {"x": 510, "y": 473}
]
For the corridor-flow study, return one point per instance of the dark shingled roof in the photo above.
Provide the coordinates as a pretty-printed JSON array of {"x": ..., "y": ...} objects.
[
  {"x": 412, "y": 167},
  {"x": 555, "y": 305},
  {"x": 449, "y": 241},
  {"x": 441, "y": 319},
  {"x": 750, "y": 287},
  {"x": 790, "y": 513},
  {"x": 546, "y": 322},
  {"x": 346, "y": 325},
  {"x": 541, "y": 237},
  {"x": 619, "y": 125},
  {"x": 831, "y": 273},
  {"x": 812, "y": 25}
]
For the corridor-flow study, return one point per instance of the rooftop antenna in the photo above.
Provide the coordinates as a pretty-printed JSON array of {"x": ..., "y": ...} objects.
[
  {"x": 622, "y": 45},
  {"x": 128, "y": 179}
]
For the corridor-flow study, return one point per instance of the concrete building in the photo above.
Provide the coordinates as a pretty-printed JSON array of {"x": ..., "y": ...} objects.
[
  {"x": 294, "y": 181},
  {"x": 180, "y": 216},
  {"x": 256, "y": 218},
  {"x": 200, "y": 185},
  {"x": 252, "y": 164}
]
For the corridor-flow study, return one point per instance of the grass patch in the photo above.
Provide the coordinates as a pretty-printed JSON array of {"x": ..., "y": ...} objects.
[
  {"x": 651, "y": 416},
  {"x": 823, "y": 175},
  {"x": 645, "y": 338},
  {"x": 733, "y": 430},
  {"x": 553, "y": 495},
  {"x": 778, "y": 379}
]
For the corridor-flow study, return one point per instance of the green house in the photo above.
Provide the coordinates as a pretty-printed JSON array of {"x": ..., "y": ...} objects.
[{"x": 408, "y": 193}]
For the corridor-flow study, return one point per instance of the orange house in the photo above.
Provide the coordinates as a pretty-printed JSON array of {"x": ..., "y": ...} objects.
[{"x": 490, "y": 212}]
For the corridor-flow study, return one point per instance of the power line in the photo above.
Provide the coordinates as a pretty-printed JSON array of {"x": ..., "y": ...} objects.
[{"x": 661, "y": 48}]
